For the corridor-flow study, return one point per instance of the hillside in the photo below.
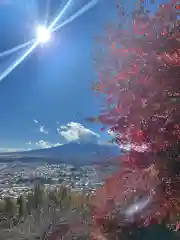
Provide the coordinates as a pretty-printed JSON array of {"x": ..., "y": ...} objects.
[{"x": 69, "y": 153}]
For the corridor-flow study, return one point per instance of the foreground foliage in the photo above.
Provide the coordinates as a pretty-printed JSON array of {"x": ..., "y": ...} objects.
[
  {"x": 139, "y": 72},
  {"x": 33, "y": 216}
]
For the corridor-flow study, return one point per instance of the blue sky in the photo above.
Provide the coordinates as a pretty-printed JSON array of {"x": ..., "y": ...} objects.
[
  {"x": 45, "y": 100},
  {"x": 54, "y": 83}
]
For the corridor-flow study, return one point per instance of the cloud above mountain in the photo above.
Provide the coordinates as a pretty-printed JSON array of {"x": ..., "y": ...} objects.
[
  {"x": 44, "y": 144},
  {"x": 77, "y": 132},
  {"x": 72, "y": 131}
]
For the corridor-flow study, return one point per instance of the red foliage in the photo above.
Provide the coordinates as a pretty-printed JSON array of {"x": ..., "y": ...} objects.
[{"x": 142, "y": 79}]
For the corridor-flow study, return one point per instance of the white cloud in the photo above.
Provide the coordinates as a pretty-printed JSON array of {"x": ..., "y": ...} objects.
[
  {"x": 57, "y": 144},
  {"x": 63, "y": 127},
  {"x": 43, "y": 130},
  {"x": 35, "y": 121},
  {"x": 76, "y": 132},
  {"x": 138, "y": 148},
  {"x": 111, "y": 133},
  {"x": 44, "y": 144},
  {"x": 5, "y": 150},
  {"x": 41, "y": 127},
  {"x": 128, "y": 147}
]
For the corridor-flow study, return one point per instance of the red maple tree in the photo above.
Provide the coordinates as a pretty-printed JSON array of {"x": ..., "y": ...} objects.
[{"x": 140, "y": 77}]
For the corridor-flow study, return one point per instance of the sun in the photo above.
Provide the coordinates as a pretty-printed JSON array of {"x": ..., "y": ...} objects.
[{"x": 43, "y": 34}]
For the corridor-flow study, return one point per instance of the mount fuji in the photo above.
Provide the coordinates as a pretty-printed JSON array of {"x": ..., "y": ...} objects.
[{"x": 73, "y": 152}]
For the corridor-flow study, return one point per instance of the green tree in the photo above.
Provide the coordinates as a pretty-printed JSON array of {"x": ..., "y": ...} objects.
[
  {"x": 22, "y": 203},
  {"x": 30, "y": 203},
  {"x": 38, "y": 195},
  {"x": 10, "y": 210},
  {"x": 65, "y": 196},
  {"x": 62, "y": 195},
  {"x": 2, "y": 206}
]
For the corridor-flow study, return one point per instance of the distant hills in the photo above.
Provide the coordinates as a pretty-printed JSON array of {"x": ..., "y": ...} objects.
[{"x": 72, "y": 152}]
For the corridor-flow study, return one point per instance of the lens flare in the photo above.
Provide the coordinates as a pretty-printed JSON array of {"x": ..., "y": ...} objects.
[
  {"x": 15, "y": 49},
  {"x": 43, "y": 34},
  {"x": 138, "y": 206},
  {"x": 17, "y": 62},
  {"x": 53, "y": 23},
  {"x": 77, "y": 14}
]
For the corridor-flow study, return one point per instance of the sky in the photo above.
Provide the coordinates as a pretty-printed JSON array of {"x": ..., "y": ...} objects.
[{"x": 45, "y": 100}]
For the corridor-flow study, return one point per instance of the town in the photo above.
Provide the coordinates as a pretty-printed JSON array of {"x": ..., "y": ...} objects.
[{"x": 19, "y": 178}]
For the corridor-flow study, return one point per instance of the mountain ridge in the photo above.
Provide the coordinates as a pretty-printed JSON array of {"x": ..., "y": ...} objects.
[{"x": 70, "y": 152}]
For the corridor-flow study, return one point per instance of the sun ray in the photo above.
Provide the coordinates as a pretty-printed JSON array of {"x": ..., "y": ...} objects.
[
  {"x": 46, "y": 18},
  {"x": 17, "y": 62},
  {"x": 77, "y": 14},
  {"x": 15, "y": 49},
  {"x": 43, "y": 34},
  {"x": 50, "y": 27},
  {"x": 53, "y": 23}
]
